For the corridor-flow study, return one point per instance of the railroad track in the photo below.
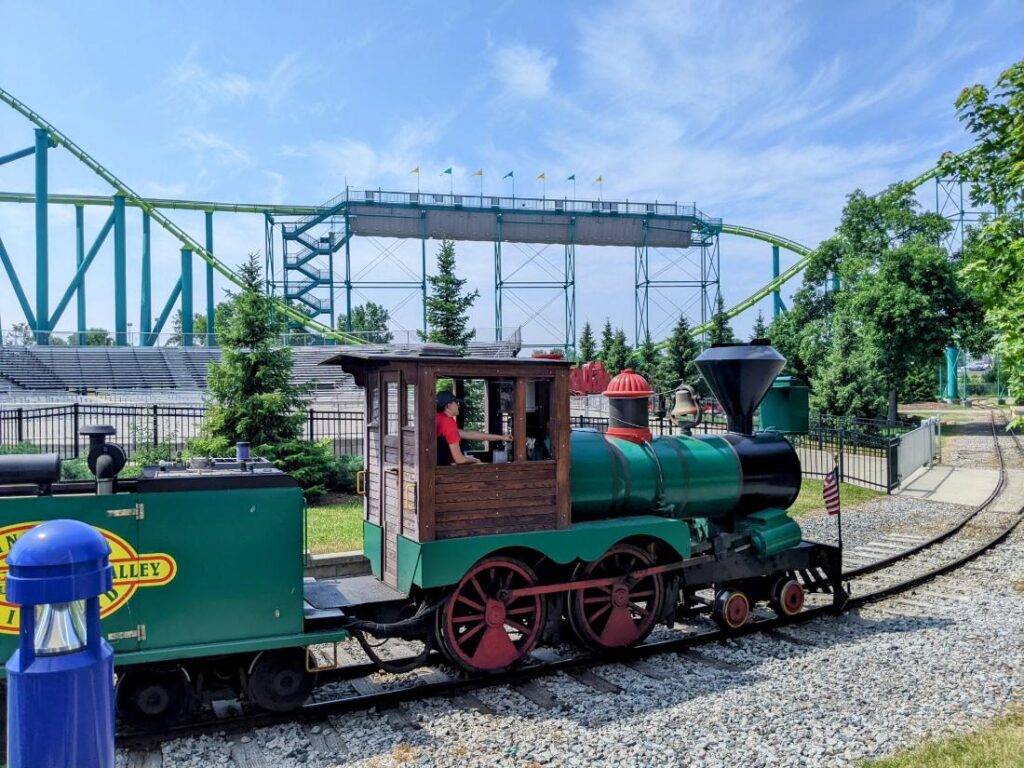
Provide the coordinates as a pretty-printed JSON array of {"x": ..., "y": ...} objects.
[{"x": 903, "y": 564}]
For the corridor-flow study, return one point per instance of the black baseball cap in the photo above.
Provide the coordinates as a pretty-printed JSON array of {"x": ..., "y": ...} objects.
[{"x": 443, "y": 398}]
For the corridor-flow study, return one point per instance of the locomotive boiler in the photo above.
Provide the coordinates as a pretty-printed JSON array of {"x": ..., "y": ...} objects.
[{"x": 561, "y": 534}]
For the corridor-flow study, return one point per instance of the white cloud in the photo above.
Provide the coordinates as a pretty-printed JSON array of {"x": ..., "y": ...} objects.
[
  {"x": 524, "y": 71},
  {"x": 207, "y": 144},
  {"x": 207, "y": 89}
]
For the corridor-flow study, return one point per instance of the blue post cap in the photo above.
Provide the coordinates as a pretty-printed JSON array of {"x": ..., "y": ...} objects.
[{"x": 57, "y": 562}]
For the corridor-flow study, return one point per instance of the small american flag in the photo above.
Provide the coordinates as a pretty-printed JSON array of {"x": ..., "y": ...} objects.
[{"x": 830, "y": 492}]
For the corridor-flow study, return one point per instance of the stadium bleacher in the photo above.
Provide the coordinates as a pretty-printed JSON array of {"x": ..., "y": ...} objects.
[{"x": 132, "y": 372}]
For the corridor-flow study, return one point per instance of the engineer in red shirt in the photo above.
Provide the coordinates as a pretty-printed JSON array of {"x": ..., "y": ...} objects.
[{"x": 448, "y": 433}]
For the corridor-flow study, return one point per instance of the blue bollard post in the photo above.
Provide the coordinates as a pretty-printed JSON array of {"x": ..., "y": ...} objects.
[{"x": 60, "y": 702}]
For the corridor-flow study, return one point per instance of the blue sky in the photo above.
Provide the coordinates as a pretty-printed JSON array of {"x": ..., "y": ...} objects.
[{"x": 765, "y": 114}]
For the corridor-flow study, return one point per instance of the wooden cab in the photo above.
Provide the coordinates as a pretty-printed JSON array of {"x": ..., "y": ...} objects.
[{"x": 519, "y": 487}]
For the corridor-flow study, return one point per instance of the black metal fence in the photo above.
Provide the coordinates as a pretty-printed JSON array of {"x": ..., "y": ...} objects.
[
  {"x": 55, "y": 429},
  {"x": 866, "y": 454}
]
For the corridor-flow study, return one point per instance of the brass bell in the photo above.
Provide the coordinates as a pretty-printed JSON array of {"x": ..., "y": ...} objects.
[{"x": 687, "y": 412}]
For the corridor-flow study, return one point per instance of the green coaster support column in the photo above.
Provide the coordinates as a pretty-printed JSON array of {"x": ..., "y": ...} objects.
[
  {"x": 776, "y": 295},
  {"x": 186, "y": 297},
  {"x": 120, "y": 275},
  {"x": 42, "y": 240},
  {"x": 951, "y": 383},
  {"x": 348, "y": 275},
  {"x": 79, "y": 258},
  {"x": 146, "y": 294},
  {"x": 211, "y": 335}
]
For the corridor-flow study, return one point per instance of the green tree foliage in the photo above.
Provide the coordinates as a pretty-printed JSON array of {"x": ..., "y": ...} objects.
[
  {"x": 447, "y": 307},
  {"x": 645, "y": 361},
  {"x": 250, "y": 391},
  {"x": 94, "y": 337},
  {"x": 369, "y": 322},
  {"x": 994, "y": 252},
  {"x": 760, "y": 330},
  {"x": 587, "y": 346},
  {"x": 720, "y": 331},
  {"x": 619, "y": 353},
  {"x": 607, "y": 340},
  {"x": 221, "y": 317},
  {"x": 900, "y": 296},
  {"x": 677, "y": 365},
  {"x": 846, "y": 384},
  {"x": 803, "y": 333}
]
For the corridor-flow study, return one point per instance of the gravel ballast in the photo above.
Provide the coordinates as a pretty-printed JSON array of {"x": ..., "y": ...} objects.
[{"x": 941, "y": 661}]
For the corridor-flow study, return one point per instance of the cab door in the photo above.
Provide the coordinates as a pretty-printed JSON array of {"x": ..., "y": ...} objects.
[{"x": 391, "y": 472}]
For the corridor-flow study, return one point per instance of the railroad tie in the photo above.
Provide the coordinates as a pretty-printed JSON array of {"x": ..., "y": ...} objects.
[
  {"x": 593, "y": 680},
  {"x": 400, "y": 719},
  {"x": 648, "y": 669},
  {"x": 702, "y": 658},
  {"x": 536, "y": 693},
  {"x": 247, "y": 755},
  {"x": 469, "y": 701},
  {"x": 139, "y": 759}
]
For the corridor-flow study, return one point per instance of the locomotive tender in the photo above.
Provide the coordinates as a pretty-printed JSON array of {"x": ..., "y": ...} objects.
[{"x": 562, "y": 533}]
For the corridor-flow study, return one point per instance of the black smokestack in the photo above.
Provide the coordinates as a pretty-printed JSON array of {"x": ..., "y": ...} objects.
[{"x": 739, "y": 376}]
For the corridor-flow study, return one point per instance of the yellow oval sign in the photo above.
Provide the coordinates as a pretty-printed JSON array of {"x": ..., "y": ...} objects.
[{"x": 131, "y": 571}]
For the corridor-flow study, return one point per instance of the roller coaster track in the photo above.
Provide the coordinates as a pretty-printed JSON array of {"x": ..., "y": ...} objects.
[
  {"x": 152, "y": 207},
  {"x": 60, "y": 139}
]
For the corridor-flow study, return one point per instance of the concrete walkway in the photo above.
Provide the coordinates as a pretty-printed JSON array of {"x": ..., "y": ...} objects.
[{"x": 952, "y": 485}]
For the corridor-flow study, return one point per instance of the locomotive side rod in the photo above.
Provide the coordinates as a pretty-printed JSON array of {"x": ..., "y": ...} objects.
[
  {"x": 452, "y": 686},
  {"x": 607, "y": 581}
]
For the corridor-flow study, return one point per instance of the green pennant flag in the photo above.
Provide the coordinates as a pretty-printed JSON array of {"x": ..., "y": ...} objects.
[
  {"x": 509, "y": 174},
  {"x": 572, "y": 178},
  {"x": 446, "y": 170}
]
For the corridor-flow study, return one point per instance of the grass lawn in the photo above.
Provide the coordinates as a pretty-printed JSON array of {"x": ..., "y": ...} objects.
[
  {"x": 335, "y": 526},
  {"x": 1000, "y": 745},
  {"x": 810, "y": 496}
]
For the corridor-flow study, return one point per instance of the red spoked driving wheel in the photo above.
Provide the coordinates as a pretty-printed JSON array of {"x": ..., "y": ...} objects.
[
  {"x": 787, "y": 597},
  {"x": 483, "y": 628},
  {"x": 622, "y": 613}
]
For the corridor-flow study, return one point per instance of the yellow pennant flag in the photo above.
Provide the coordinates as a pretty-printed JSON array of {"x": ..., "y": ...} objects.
[
  {"x": 479, "y": 173},
  {"x": 541, "y": 176},
  {"x": 415, "y": 170},
  {"x": 599, "y": 179}
]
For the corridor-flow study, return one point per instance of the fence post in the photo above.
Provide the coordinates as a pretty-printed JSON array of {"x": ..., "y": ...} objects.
[
  {"x": 892, "y": 464},
  {"x": 842, "y": 459},
  {"x": 21, "y": 425},
  {"x": 74, "y": 429},
  {"x": 311, "y": 425},
  {"x": 156, "y": 425}
]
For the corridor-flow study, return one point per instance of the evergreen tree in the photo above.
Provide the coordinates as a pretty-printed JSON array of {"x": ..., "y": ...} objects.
[
  {"x": 720, "y": 331},
  {"x": 446, "y": 304},
  {"x": 645, "y": 361},
  {"x": 369, "y": 322},
  {"x": 587, "y": 346},
  {"x": 760, "y": 330},
  {"x": 607, "y": 339},
  {"x": 847, "y": 384},
  {"x": 251, "y": 397},
  {"x": 619, "y": 353},
  {"x": 677, "y": 366}
]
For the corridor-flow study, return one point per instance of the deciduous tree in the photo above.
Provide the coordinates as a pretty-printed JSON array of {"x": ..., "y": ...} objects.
[{"x": 994, "y": 252}]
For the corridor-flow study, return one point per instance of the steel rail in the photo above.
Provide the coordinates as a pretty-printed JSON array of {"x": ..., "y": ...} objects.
[
  {"x": 419, "y": 690},
  {"x": 60, "y": 139}
]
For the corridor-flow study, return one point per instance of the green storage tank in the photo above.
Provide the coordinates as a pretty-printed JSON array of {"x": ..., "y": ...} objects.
[{"x": 785, "y": 407}]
